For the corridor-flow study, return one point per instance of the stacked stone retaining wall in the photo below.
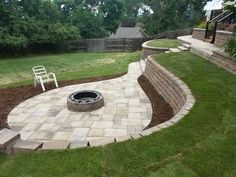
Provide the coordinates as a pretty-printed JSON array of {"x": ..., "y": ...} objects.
[
  {"x": 166, "y": 84},
  {"x": 148, "y": 50},
  {"x": 224, "y": 60},
  {"x": 222, "y": 37},
  {"x": 199, "y": 33}
]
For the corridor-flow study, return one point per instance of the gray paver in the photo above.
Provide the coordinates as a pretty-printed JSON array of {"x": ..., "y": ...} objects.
[
  {"x": 46, "y": 117},
  {"x": 78, "y": 144},
  {"x": 7, "y": 136},
  {"x": 56, "y": 145},
  {"x": 23, "y": 146}
]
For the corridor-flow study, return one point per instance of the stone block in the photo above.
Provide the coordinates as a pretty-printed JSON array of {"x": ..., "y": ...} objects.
[
  {"x": 122, "y": 138},
  {"x": 101, "y": 142},
  {"x": 55, "y": 145},
  {"x": 25, "y": 146},
  {"x": 78, "y": 144},
  {"x": 136, "y": 136},
  {"x": 8, "y": 136}
]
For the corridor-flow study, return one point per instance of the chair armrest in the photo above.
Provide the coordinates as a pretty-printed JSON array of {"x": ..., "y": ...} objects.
[
  {"x": 38, "y": 78},
  {"x": 51, "y": 74}
]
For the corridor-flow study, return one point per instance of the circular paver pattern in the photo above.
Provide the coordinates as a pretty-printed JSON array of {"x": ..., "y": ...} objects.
[{"x": 45, "y": 117}]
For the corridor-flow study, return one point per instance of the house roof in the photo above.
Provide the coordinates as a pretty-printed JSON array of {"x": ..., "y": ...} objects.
[{"x": 127, "y": 32}]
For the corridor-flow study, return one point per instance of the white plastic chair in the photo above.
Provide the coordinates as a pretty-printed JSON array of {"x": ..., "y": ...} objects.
[{"x": 41, "y": 76}]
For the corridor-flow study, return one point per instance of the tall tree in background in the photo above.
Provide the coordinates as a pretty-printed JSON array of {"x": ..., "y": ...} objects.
[
  {"x": 94, "y": 18},
  {"x": 112, "y": 11},
  {"x": 130, "y": 16},
  {"x": 172, "y": 14}
]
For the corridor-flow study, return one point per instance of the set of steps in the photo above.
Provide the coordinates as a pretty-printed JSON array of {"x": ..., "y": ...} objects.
[
  {"x": 184, "y": 47},
  {"x": 10, "y": 142}
]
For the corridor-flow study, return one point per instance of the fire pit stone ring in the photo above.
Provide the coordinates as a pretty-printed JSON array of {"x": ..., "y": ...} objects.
[{"x": 85, "y": 101}]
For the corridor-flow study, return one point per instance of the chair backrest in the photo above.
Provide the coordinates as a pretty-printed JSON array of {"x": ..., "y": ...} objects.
[{"x": 40, "y": 71}]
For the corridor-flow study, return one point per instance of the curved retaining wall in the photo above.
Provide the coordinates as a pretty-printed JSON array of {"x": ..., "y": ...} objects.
[
  {"x": 173, "y": 90},
  {"x": 148, "y": 50}
]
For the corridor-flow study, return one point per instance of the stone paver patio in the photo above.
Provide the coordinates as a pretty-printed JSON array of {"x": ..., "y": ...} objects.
[{"x": 45, "y": 117}]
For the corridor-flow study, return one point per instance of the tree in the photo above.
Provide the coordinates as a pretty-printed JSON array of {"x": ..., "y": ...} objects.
[
  {"x": 89, "y": 24},
  {"x": 131, "y": 12},
  {"x": 28, "y": 22},
  {"x": 111, "y": 11},
  {"x": 172, "y": 14}
]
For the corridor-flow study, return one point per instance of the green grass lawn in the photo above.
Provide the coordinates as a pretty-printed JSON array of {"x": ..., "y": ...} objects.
[
  {"x": 203, "y": 144},
  {"x": 163, "y": 43},
  {"x": 66, "y": 66}
]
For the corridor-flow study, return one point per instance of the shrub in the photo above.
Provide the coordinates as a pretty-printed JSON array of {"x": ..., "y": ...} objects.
[
  {"x": 202, "y": 25},
  {"x": 230, "y": 47}
]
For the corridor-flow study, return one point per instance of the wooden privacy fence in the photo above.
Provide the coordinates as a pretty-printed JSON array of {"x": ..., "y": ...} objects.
[
  {"x": 108, "y": 45},
  {"x": 121, "y": 44}
]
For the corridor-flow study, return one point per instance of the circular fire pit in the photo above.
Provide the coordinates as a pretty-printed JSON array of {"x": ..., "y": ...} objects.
[{"x": 85, "y": 101}]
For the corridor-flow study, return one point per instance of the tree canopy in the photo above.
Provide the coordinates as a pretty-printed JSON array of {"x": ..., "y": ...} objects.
[
  {"x": 172, "y": 14},
  {"x": 24, "y": 23}
]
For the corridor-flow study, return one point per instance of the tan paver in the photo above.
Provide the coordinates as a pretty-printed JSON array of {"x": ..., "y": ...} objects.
[
  {"x": 45, "y": 117},
  {"x": 56, "y": 145}
]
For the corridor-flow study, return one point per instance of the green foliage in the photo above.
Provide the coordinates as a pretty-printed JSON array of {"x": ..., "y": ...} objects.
[
  {"x": 112, "y": 11},
  {"x": 202, "y": 25},
  {"x": 172, "y": 14},
  {"x": 230, "y": 5},
  {"x": 26, "y": 23},
  {"x": 230, "y": 47},
  {"x": 130, "y": 15},
  {"x": 90, "y": 26}
]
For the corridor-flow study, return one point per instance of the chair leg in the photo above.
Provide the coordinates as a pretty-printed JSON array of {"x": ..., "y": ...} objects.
[
  {"x": 35, "y": 82},
  {"x": 42, "y": 85},
  {"x": 56, "y": 82}
]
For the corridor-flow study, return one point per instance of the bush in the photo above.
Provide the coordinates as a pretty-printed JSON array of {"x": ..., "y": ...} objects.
[
  {"x": 202, "y": 25},
  {"x": 230, "y": 47}
]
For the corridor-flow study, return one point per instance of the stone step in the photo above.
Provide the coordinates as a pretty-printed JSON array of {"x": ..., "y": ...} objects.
[
  {"x": 101, "y": 142},
  {"x": 181, "y": 41},
  {"x": 136, "y": 136},
  {"x": 7, "y": 137},
  {"x": 188, "y": 46},
  {"x": 167, "y": 51},
  {"x": 55, "y": 145},
  {"x": 174, "y": 50},
  {"x": 25, "y": 146},
  {"x": 201, "y": 52},
  {"x": 183, "y": 48},
  {"x": 78, "y": 144},
  {"x": 123, "y": 138}
]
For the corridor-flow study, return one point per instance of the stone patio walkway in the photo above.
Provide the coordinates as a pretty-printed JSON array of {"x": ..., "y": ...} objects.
[
  {"x": 199, "y": 47},
  {"x": 45, "y": 117}
]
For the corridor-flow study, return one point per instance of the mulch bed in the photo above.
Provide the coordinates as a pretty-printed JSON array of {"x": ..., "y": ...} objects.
[
  {"x": 11, "y": 97},
  {"x": 162, "y": 111}
]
